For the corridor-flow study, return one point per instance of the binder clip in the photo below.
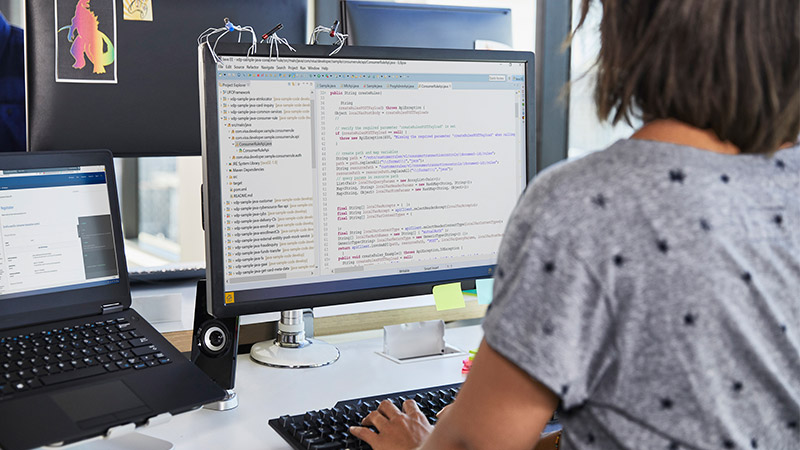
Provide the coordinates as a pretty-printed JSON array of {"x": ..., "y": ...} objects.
[
  {"x": 332, "y": 32},
  {"x": 275, "y": 41},
  {"x": 229, "y": 27}
]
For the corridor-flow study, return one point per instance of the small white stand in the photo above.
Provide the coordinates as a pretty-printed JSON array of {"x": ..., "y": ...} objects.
[
  {"x": 130, "y": 441},
  {"x": 416, "y": 341},
  {"x": 291, "y": 349},
  {"x": 124, "y": 437}
]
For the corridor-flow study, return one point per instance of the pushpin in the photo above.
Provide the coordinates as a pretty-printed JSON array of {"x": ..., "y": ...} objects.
[
  {"x": 229, "y": 25},
  {"x": 334, "y": 28}
]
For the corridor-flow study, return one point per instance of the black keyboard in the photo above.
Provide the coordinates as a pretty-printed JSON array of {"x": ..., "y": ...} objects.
[
  {"x": 30, "y": 361},
  {"x": 327, "y": 429}
]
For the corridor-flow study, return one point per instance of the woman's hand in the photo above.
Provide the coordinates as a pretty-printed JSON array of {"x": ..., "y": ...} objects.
[{"x": 397, "y": 430}]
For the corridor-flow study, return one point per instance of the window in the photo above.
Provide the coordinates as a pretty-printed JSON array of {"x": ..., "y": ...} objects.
[
  {"x": 586, "y": 132},
  {"x": 162, "y": 219}
]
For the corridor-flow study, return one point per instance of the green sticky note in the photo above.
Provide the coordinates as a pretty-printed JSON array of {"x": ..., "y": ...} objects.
[
  {"x": 484, "y": 286},
  {"x": 470, "y": 292},
  {"x": 448, "y": 296}
]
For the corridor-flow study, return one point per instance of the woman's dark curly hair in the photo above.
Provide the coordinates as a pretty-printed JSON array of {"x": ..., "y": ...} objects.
[{"x": 730, "y": 66}]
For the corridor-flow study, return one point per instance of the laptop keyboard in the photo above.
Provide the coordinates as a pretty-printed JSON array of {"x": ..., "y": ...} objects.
[{"x": 55, "y": 356}]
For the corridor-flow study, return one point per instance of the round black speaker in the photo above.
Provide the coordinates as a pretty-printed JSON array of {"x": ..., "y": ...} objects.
[{"x": 213, "y": 338}]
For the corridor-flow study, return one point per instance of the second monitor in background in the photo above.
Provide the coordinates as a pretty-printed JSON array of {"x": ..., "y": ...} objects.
[
  {"x": 376, "y": 174},
  {"x": 389, "y": 24}
]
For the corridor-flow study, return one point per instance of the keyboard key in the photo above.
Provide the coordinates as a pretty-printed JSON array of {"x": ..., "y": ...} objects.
[
  {"x": 138, "y": 342},
  {"x": 141, "y": 351},
  {"x": 327, "y": 446},
  {"x": 11, "y": 377}
]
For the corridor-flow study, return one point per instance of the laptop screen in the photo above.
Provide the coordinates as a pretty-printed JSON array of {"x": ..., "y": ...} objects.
[{"x": 56, "y": 231}]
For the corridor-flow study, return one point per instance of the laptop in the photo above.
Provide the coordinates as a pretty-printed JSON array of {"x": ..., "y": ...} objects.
[{"x": 76, "y": 361}]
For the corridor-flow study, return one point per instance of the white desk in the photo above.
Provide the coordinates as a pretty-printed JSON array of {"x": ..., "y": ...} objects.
[{"x": 265, "y": 393}]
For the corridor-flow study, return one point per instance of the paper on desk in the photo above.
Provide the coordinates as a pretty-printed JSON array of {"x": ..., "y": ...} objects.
[
  {"x": 448, "y": 296},
  {"x": 484, "y": 286}
]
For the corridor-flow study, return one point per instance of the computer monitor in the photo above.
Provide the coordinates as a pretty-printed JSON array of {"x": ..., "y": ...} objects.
[
  {"x": 377, "y": 173},
  {"x": 145, "y": 104},
  {"x": 392, "y": 24}
]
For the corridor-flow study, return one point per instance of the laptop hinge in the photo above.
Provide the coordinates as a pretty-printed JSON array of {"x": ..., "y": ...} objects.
[{"x": 111, "y": 308}]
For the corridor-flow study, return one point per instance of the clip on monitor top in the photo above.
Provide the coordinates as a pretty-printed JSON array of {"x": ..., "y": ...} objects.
[{"x": 375, "y": 174}]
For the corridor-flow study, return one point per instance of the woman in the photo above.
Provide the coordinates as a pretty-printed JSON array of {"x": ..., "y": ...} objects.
[{"x": 652, "y": 290}]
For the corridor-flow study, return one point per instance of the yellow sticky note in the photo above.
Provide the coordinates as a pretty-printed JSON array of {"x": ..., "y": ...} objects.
[
  {"x": 484, "y": 286},
  {"x": 448, "y": 296}
]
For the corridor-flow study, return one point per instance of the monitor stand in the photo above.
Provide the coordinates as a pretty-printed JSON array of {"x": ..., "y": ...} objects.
[{"x": 291, "y": 348}]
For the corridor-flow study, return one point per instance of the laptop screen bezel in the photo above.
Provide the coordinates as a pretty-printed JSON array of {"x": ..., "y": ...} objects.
[{"x": 39, "y": 308}]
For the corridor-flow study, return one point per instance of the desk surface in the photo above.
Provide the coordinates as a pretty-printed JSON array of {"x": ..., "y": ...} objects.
[{"x": 265, "y": 393}]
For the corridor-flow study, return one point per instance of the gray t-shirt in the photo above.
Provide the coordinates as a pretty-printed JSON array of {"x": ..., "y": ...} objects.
[{"x": 655, "y": 288}]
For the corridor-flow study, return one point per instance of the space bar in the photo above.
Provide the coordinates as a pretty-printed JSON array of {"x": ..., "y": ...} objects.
[{"x": 72, "y": 375}]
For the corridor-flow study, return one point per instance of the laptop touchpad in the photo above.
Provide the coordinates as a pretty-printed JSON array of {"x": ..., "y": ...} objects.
[{"x": 99, "y": 404}]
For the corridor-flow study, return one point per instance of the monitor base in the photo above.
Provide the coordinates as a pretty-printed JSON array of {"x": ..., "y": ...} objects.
[
  {"x": 291, "y": 349},
  {"x": 314, "y": 354}
]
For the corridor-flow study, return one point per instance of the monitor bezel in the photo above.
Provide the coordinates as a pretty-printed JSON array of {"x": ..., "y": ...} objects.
[
  {"x": 212, "y": 209},
  {"x": 40, "y": 308}
]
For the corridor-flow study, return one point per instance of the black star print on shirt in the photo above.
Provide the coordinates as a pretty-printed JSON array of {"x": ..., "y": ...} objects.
[
  {"x": 599, "y": 200},
  {"x": 619, "y": 260},
  {"x": 677, "y": 176}
]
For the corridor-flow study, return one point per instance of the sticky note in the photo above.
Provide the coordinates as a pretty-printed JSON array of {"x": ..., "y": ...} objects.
[
  {"x": 484, "y": 286},
  {"x": 448, "y": 296},
  {"x": 470, "y": 292},
  {"x": 137, "y": 10}
]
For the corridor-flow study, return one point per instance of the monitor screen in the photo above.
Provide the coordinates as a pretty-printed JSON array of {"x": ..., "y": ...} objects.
[
  {"x": 376, "y": 173},
  {"x": 393, "y": 24},
  {"x": 55, "y": 231}
]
